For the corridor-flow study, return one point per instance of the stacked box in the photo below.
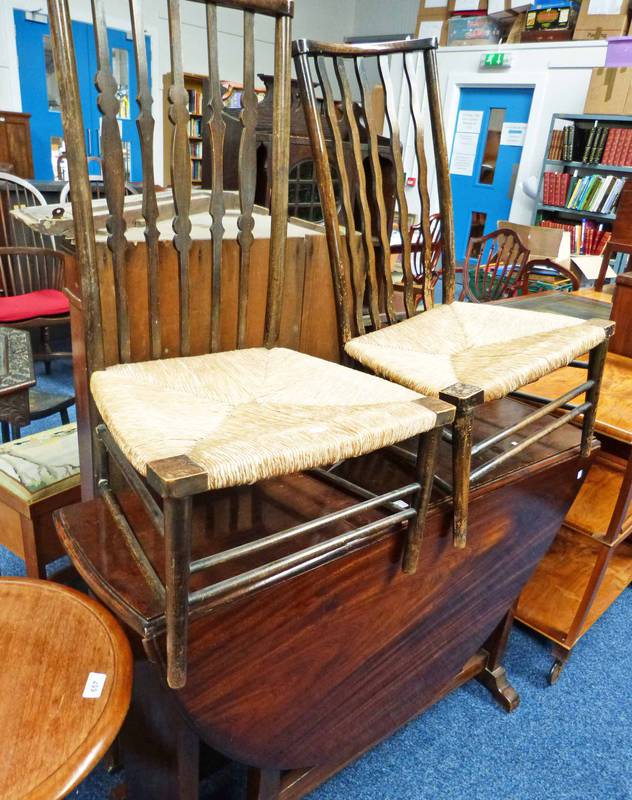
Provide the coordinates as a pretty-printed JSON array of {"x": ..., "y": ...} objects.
[
  {"x": 473, "y": 30},
  {"x": 601, "y": 19}
]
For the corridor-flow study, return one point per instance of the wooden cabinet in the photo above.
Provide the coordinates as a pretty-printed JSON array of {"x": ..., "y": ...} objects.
[{"x": 15, "y": 142}]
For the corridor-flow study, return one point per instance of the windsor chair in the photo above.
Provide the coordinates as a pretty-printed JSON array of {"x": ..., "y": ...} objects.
[
  {"x": 465, "y": 353},
  {"x": 185, "y": 421},
  {"x": 31, "y": 270}
]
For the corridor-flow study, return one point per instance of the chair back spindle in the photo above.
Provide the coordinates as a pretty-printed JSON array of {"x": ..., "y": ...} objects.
[
  {"x": 361, "y": 259},
  {"x": 171, "y": 323}
]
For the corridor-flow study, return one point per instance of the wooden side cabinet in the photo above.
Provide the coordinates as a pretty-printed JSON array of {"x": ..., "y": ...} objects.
[{"x": 15, "y": 142}]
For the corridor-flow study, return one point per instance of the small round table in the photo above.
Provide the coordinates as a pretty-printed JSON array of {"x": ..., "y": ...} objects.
[{"x": 65, "y": 687}]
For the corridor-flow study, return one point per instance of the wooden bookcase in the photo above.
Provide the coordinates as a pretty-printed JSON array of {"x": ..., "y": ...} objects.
[
  {"x": 583, "y": 124},
  {"x": 193, "y": 83}
]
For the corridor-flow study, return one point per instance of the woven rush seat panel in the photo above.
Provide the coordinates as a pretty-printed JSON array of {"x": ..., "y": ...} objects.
[
  {"x": 253, "y": 414},
  {"x": 494, "y": 348}
]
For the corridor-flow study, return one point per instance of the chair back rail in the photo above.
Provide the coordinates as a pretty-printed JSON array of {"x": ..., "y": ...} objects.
[
  {"x": 494, "y": 266},
  {"x": 362, "y": 262},
  {"x": 417, "y": 239},
  {"x": 114, "y": 285},
  {"x": 30, "y": 269}
]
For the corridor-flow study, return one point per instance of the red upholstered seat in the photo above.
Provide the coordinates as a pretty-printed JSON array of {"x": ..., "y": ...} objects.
[{"x": 43, "y": 303}]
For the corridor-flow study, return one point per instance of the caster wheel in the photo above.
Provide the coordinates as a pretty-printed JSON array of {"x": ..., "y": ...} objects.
[{"x": 556, "y": 671}]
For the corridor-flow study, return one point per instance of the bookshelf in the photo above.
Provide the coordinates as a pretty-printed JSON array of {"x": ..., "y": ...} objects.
[
  {"x": 194, "y": 84},
  {"x": 584, "y": 202}
]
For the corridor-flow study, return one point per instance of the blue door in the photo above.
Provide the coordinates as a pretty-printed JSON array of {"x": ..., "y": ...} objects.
[
  {"x": 486, "y": 151},
  {"x": 40, "y": 95}
]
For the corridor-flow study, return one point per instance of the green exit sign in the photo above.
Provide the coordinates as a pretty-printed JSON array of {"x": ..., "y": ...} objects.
[{"x": 495, "y": 60}]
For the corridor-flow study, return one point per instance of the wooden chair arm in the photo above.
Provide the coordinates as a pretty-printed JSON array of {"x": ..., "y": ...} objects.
[
  {"x": 550, "y": 264},
  {"x": 611, "y": 247}
]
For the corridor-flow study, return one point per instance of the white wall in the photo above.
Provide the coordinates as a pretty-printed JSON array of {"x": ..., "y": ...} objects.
[
  {"x": 559, "y": 75},
  {"x": 325, "y": 19},
  {"x": 374, "y": 17}
]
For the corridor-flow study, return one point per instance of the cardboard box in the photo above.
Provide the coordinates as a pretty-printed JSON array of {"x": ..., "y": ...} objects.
[
  {"x": 610, "y": 91},
  {"x": 433, "y": 27},
  {"x": 588, "y": 268},
  {"x": 432, "y": 20},
  {"x": 543, "y": 242},
  {"x": 429, "y": 9},
  {"x": 478, "y": 30},
  {"x": 506, "y": 9},
  {"x": 552, "y": 35},
  {"x": 544, "y": 19},
  {"x": 593, "y": 23},
  {"x": 466, "y": 6}
]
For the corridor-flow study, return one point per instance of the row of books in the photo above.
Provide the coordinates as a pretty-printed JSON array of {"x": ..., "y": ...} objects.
[
  {"x": 196, "y": 149},
  {"x": 599, "y": 144},
  {"x": 196, "y": 170},
  {"x": 195, "y": 101},
  {"x": 195, "y": 127},
  {"x": 562, "y": 144},
  {"x": 597, "y": 194},
  {"x": 587, "y": 238},
  {"x": 618, "y": 149},
  {"x": 555, "y": 189}
]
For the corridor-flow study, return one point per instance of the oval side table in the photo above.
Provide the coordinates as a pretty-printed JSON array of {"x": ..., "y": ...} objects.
[{"x": 65, "y": 687}]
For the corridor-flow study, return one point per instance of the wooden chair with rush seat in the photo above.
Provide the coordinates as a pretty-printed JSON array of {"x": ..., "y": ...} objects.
[
  {"x": 184, "y": 424},
  {"x": 465, "y": 353}
]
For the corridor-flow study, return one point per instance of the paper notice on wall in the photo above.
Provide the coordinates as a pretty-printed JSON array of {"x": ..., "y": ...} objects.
[
  {"x": 463, "y": 153},
  {"x": 466, "y": 5},
  {"x": 513, "y": 134},
  {"x": 469, "y": 121},
  {"x": 604, "y": 7},
  {"x": 430, "y": 28},
  {"x": 436, "y": 4}
]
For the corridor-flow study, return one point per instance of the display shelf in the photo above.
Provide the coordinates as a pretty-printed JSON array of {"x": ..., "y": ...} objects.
[
  {"x": 550, "y": 602},
  {"x": 583, "y": 123},
  {"x": 593, "y": 507},
  {"x": 608, "y": 168},
  {"x": 575, "y": 213}
]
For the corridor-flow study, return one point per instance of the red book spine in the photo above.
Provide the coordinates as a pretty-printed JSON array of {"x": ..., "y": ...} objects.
[
  {"x": 615, "y": 152},
  {"x": 624, "y": 157},
  {"x": 546, "y": 188},
  {"x": 607, "y": 153}
]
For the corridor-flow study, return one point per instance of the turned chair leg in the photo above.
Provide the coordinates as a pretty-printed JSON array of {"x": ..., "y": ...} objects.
[
  {"x": 263, "y": 784},
  {"x": 465, "y": 398},
  {"x": 428, "y": 445},
  {"x": 596, "y": 363},
  {"x": 177, "y": 513}
]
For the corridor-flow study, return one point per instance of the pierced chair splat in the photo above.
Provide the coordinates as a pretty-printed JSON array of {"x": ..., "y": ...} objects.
[
  {"x": 176, "y": 412},
  {"x": 465, "y": 353}
]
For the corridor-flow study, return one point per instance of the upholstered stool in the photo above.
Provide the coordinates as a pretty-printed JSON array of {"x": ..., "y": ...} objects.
[{"x": 38, "y": 474}]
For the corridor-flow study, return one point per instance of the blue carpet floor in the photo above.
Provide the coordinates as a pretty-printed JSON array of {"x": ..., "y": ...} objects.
[{"x": 570, "y": 741}]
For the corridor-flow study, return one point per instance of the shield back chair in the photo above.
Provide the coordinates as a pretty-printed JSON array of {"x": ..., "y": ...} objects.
[
  {"x": 416, "y": 236},
  {"x": 207, "y": 420},
  {"x": 464, "y": 353},
  {"x": 494, "y": 266},
  {"x": 31, "y": 270},
  {"x": 533, "y": 282}
]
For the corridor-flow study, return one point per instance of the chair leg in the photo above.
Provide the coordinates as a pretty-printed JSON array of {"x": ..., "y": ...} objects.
[
  {"x": 428, "y": 445},
  {"x": 46, "y": 348},
  {"x": 6, "y": 433},
  {"x": 596, "y": 363},
  {"x": 63, "y": 416},
  {"x": 15, "y": 432},
  {"x": 461, "y": 468},
  {"x": 177, "y": 514},
  {"x": 465, "y": 398}
]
